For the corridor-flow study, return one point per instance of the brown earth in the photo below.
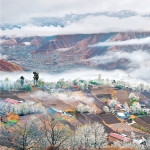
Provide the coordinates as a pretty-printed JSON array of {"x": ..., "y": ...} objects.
[
  {"x": 110, "y": 119},
  {"x": 7, "y": 66},
  {"x": 145, "y": 119},
  {"x": 122, "y": 96}
]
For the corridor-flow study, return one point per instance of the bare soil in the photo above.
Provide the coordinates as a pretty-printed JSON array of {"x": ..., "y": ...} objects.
[
  {"x": 110, "y": 119},
  {"x": 146, "y": 119},
  {"x": 122, "y": 96},
  {"x": 94, "y": 118}
]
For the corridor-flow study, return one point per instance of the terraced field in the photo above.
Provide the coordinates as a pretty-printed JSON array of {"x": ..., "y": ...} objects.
[
  {"x": 110, "y": 119},
  {"x": 101, "y": 91},
  {"x": 72, "y": 120},
  {"x": 12, "y": 95},
  {"x": 121, "y": 127},
  {"x": 88, "y": 101},
  {"x": 94, "y": 118},
  {"x": 142, "y": 123},
  {"x": 146, "y": 94},
  {"x": 146, "y": 119},
  {"x": 82, "y": 119},
  {"x": 94, "y": 100},
  {"x": 122, "y": 96},
  {"x": 64, "y": 101},
  {"x": 72, "y": 127}
]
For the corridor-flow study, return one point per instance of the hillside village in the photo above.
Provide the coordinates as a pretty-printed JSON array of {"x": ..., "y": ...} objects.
[{"x": 122, "y": 112}]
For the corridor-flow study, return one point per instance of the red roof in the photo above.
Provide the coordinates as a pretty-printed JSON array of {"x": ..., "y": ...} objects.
[
  {"x": 108, "y": 100},
  {"x": 117, "y": 136},
  {"x": 74, "y": 86},
  {"x": 12, "y": 101},
  {"x": 117, "y": 106}
]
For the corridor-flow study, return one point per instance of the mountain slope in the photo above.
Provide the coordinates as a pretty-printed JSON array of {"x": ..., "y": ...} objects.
[
  {"x": 64, "y": 52},
  {"x": 6, "y": 66}
]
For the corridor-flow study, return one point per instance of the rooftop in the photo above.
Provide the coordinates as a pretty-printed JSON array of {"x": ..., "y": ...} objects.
[
  {"x": 119, "y": 137},
  {"x": 12, "y": 101}
]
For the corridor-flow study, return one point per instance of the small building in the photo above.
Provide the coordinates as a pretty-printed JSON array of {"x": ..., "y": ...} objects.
[
  {"x": 52, "y": 111},
  {"x": 117, "y": 106},
  {"x": 117, "y": 137},
  {"x": 121, "y": 115},
  {"x": 74, "y": 87},
  {"x": 12, "y": 101},
  {"x": 127, "y": 114}
]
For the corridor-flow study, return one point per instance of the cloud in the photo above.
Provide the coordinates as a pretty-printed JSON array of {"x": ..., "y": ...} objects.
[
  {"x": 27, "y": 43},
  {"x": 136, "y": 57},
  {"x": 139, "y": 62},
  {"x": 121, "y": 43},
  {"x": 21, "y": 10},
  {"x": 87, "y": 74},
  {"x": 88, "y": 25}
]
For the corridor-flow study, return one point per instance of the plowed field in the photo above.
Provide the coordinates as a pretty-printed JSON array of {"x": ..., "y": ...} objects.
[{"x": 110, "y": 119}]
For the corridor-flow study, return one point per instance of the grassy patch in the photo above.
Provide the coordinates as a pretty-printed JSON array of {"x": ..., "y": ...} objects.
[{"x": 9, "y": 123}]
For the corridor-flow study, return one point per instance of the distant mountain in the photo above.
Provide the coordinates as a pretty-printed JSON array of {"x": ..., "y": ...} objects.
[
  {"x": 67, "y": 19},
  {"x": 7, "y": 66},
  {"x": 25, "y": 41},
  {"x": 10, "y": 42},
  {"x": 64, "y": 52},
  {"x": 81, "y": 43}
]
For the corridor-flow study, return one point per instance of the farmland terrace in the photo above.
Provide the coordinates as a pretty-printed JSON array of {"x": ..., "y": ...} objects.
[
  {"x": 144, "y": 98},
  {"x": 105, "y": 90},
  {"x": 96, "y": 101},
  {"x": 124, "y": 128},
  {"x": 146, "y": 94},
  {"x": 110, "y": 118},
  {"x": 7, "y": 94},
  {"x": 145, "y": 119},
  {"x": 122, "y": 96},
  {"x": 142, "y": 123},
  {"x": 107, "y": 96},
  {"x": 95, "y": 118}
]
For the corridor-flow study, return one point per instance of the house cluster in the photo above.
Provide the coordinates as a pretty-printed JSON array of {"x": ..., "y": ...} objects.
[
  {"x": 124, "y": 112},
  {"x": 112, "y": 137}
]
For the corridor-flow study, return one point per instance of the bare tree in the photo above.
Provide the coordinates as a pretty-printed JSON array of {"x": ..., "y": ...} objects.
[
  {"x": 22, "y": 136},
  {"x": 89, "y": 136},
  {"x": 128, "y": 145},
  {"x": 126, "y": 107},
  {"x": 54, "y": 133}
]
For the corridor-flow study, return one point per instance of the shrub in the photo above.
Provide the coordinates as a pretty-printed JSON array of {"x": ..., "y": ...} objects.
[
  {"x": 142, "y": 113},
  {"x": 27, "y": 87},
  {"x": 26, "y": 108},
  {"x": 141, "y": 128},
  {"x": 85, "y": 109},
  {"x": 135, "y": 125},
  {"x": 105, "y": 109}
]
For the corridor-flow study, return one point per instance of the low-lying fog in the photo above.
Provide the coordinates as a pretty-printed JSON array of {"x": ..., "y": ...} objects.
[{"x": 133, "y": 76}]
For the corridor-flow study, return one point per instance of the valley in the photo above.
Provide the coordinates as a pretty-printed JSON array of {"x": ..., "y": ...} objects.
[{"x": 65, "y": 52}]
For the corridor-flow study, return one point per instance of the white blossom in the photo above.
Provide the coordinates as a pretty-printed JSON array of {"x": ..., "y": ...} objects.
[{"x": 106, "y": 109}]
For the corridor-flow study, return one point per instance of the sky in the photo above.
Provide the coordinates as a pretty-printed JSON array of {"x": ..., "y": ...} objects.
[{"x": 21, "y": 11}]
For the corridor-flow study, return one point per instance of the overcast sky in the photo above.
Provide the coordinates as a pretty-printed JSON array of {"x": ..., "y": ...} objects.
[{"x": 18, "y": 11}]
